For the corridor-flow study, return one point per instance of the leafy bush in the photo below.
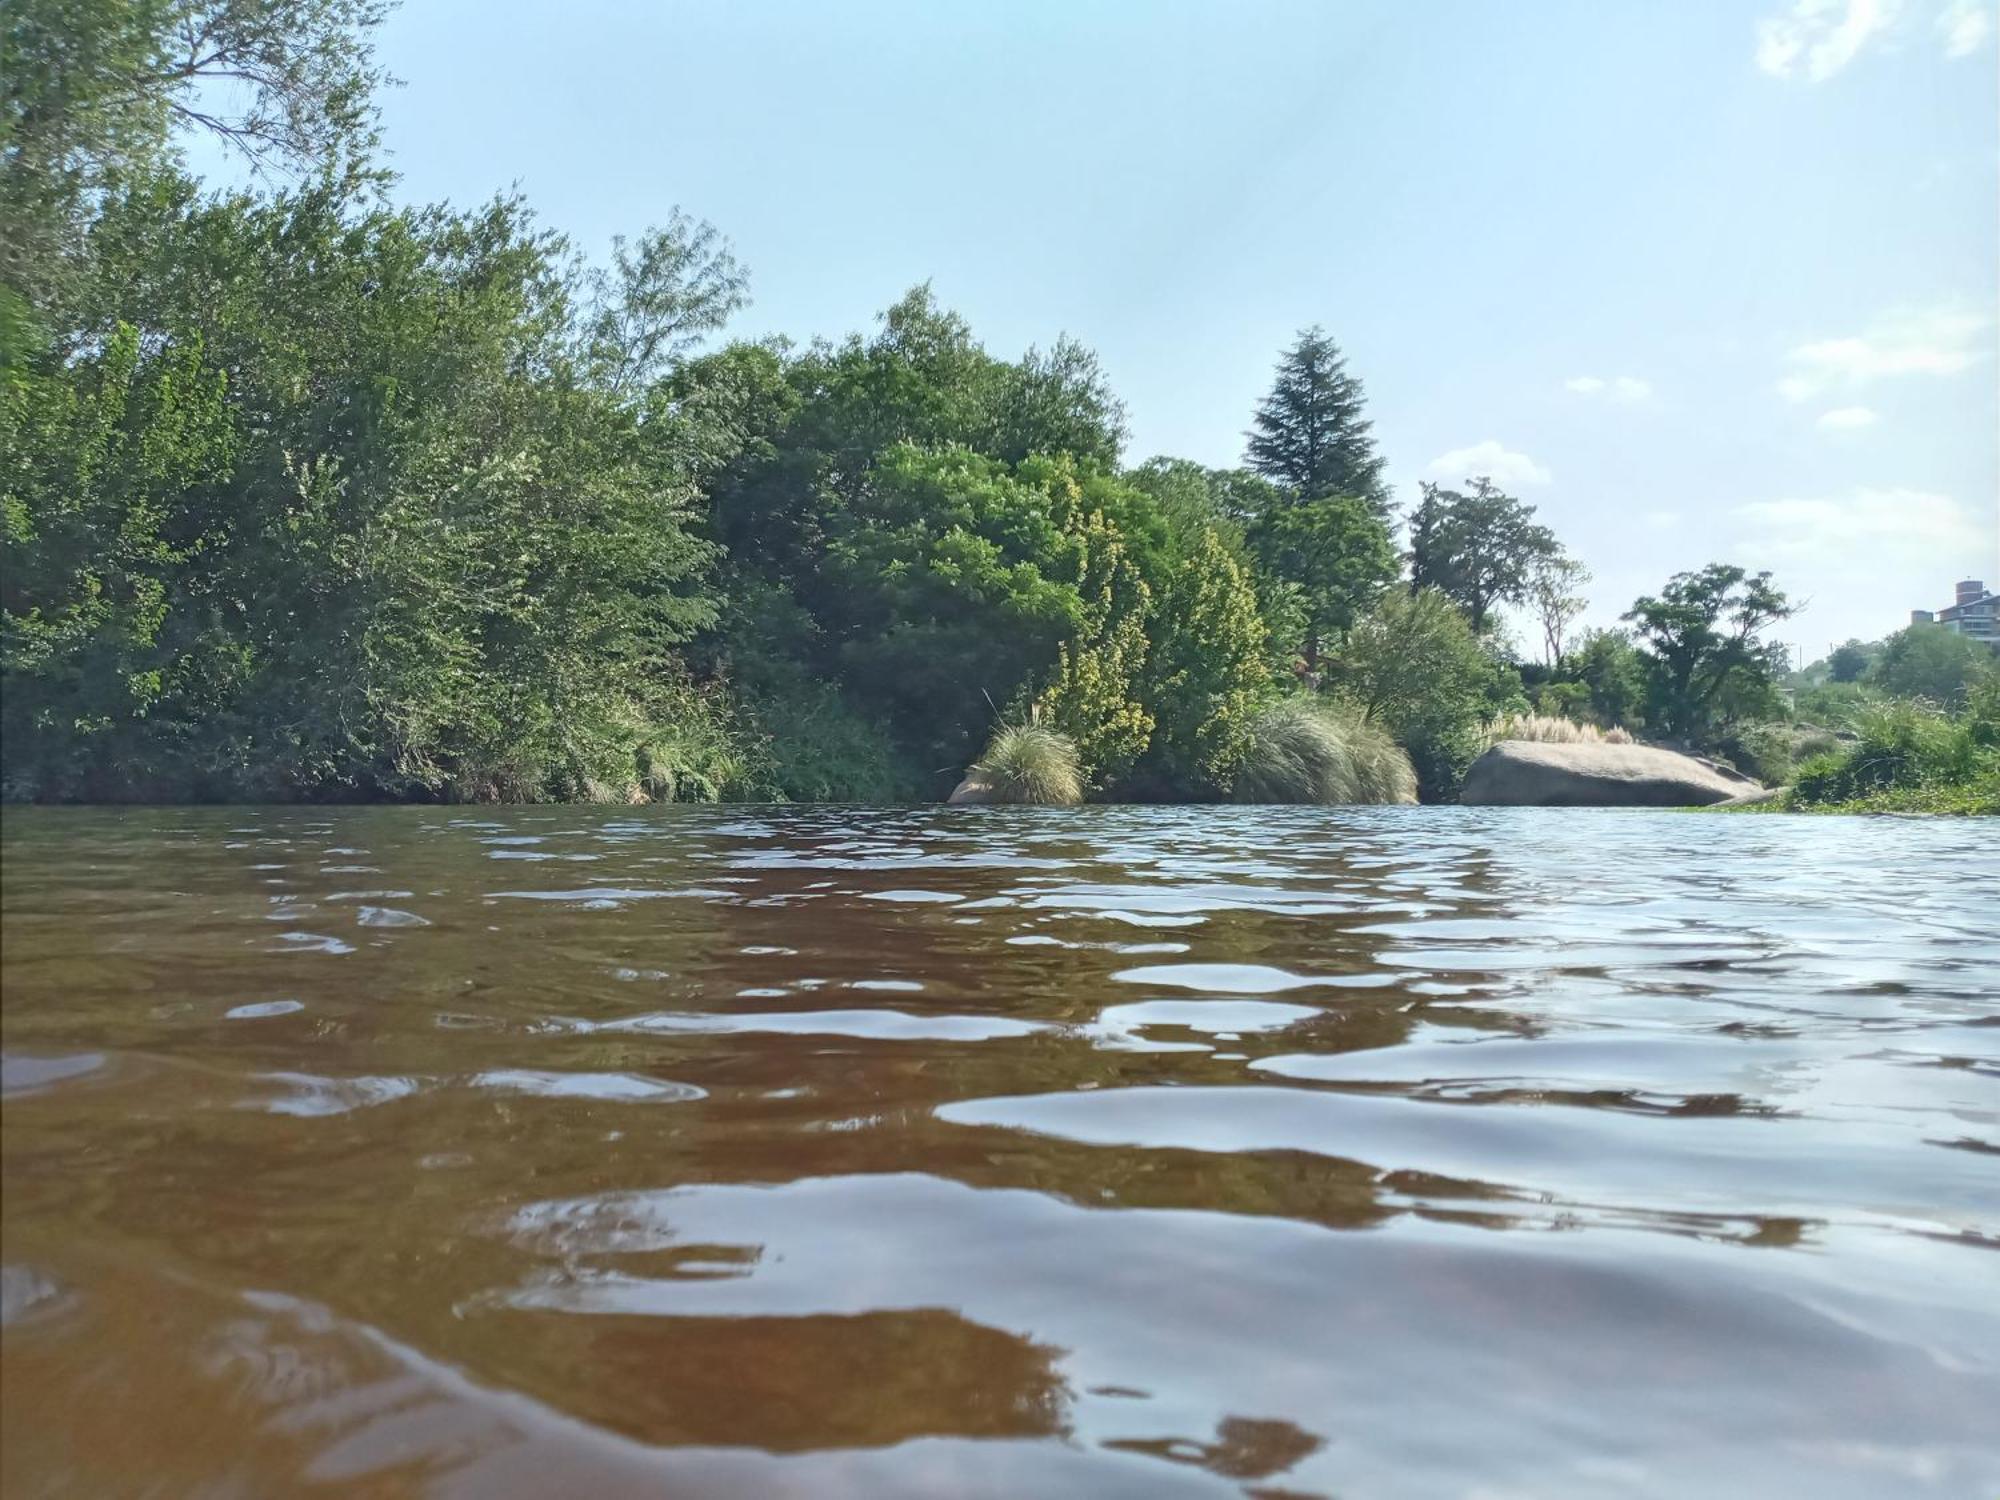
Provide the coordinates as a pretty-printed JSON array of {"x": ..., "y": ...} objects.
[
  {"x": 1766, "y": 751},
  {"x": 1414, "y": 666},
  {"x": 813, "y": 746},
  {"x": 1321, "y": 751},
  {"x": 1912, "y": 751},
  {"x": 1933, "y": 662},
  {"x": 1027, "y": 764}
]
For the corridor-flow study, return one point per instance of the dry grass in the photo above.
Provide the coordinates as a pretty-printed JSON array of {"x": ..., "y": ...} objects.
[
  {"x": 1318, "y": 751},
  {"x": 1550, "y": 730}
]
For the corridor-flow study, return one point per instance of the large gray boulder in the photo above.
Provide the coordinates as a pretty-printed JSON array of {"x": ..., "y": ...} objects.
[{"x": 1533, "y": 773}]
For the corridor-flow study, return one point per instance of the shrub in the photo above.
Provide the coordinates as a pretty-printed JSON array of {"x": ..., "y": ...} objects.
[
  {"x": 1028, "y": 764},
  {"x": 1415, "y": 667},
  {"x": 1917, "y": 755},
  {"x": 1931, "y": 661},
  {"x": 1766, "y": 751},
  {"x": 816, "y": 747},
  {"x": 1316, "y": 751}
]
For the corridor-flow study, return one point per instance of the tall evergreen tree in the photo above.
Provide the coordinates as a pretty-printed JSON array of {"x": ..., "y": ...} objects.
[{"x": 1309, "y": 434}]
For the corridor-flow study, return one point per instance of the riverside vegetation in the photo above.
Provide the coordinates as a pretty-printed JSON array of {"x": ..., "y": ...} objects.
[{"x": 308, "y": 497}]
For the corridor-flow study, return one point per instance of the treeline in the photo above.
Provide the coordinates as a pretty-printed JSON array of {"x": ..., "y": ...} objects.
[{"x": 306, "y": 496}]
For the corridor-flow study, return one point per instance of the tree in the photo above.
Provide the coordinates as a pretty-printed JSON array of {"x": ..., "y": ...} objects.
[
  {"x": 1336, "y": 552},
  {"x": 1059, "y": 402},
  {"x": 1554, "y": 583},
  {"x": 1930, "y": 661},
  {"x": 1309, "y": 434},
  {"x": 1707, "y": 663},
  {"x": 1206, "y": 670},
  {"x": 363, "y": 527},
  {"x": 658, "y": 299},
  {"x": 91, "y": 92},
  {"x": 1607, "y": 664},
  {"x": 1847, "y": 662},
  {"x": 1479, "y": 547},
  {"x": 1414, "y": 665}
]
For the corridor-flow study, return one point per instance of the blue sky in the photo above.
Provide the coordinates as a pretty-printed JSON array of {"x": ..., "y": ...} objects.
[{"x": 1701, "y": 280}]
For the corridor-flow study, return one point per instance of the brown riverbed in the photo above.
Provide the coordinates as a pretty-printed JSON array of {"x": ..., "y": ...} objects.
[{"x": 824, "y": 1152}]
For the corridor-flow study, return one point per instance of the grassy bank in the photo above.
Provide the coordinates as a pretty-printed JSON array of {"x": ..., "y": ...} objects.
[{"x": 1907, "y": 757}]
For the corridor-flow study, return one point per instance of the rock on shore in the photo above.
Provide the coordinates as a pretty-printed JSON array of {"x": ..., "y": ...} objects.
[{"x": 1527, "y": 773}]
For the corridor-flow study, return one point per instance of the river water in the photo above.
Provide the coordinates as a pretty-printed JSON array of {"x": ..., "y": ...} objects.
[{"x": 925, "y": 1152}]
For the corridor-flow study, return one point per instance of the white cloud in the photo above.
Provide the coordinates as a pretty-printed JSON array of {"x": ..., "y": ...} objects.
[
  {"x": 1489, "y": 460},
  {"x": 1823, "y": 35},
  {"x": 1865, "y": 526},
  {"x": 1847, "y": 419},
  {"x": 1863, "y": 559},
  {"x": 1963, "y": 26},
  {"x": 1626, "y": 390},
  {"x": 1941, "y": 341}
]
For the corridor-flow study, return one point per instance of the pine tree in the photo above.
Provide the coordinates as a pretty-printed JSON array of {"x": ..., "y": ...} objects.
[{"x": 1310, "y": 435}]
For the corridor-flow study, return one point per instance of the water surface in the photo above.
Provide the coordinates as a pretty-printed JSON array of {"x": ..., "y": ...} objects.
[{"x": 824, "y": 1152}]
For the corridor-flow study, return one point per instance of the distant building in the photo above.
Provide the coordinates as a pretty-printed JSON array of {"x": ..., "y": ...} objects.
[{"x": 1976, "y": 612}]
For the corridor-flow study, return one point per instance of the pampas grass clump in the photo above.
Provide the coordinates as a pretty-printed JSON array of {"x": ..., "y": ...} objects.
[
  {"x": 1027, "y": 764},
  {"x": 1551, "y": 730},
  {"x": 1310, "y": 750}
]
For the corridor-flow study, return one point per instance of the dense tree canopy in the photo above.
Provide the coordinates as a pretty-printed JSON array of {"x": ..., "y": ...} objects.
[
  {"x": 1847, "y": 662},
  {"x": 1707, "y": 660},
  {"x": 1478, "y": 547},
  {"x": 1932, "y": 662}
]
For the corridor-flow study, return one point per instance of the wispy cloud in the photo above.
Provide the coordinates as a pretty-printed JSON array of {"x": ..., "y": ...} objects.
[
  {"x": 1964, "y": 25},
  {"x": 1490, "y": 459},
  {"x": 1941, "y": 341},
  {"x": 1820, "y": 37},
  {"x": 1815, "y": 39},
  {"x": 1862, "y": 559},
  {"x": 1625, "y": 390},
  {"x": 1865, "y": 526},
  {"x": 1847, "y": 419}
]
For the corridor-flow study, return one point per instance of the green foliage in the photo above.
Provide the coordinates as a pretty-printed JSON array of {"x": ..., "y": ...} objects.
[
  {"x": 1336, "y": 555},
  {"x": 1555, "y": 594},
  {"x": 407, "y": 550},
  {"x": 1032, "y": 766},
  {"x": 1613, "y": 672},
  {"x": 1767, "y": 751},
  {"x": 305, "y": 497},
  {"x": 1090, "y": 697},
  {"x": 1838, "y": 705},
  {"x": 1479, "y": 548},
  {"x": 1206, "y": 672},
  {"x": 1562, "y": 700},
  {"x": 1911, "y": 755},
  {"x": 1414, "y": 666},
  {"x": 1848, "y": 662},
  {"x": 92, "y": 90},
  {"x": 1309, "y": 436},
  {"x": 1708, "y": 667},
  {"x": 1913, "y": 745},
  {"x": 812, "y": 745},
  {"x": 1319, "y": 750},
  {"x": 1932, "y": 662},
  {"x": 951, "y": 585},
  {"x": 658, "y": 299}
]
